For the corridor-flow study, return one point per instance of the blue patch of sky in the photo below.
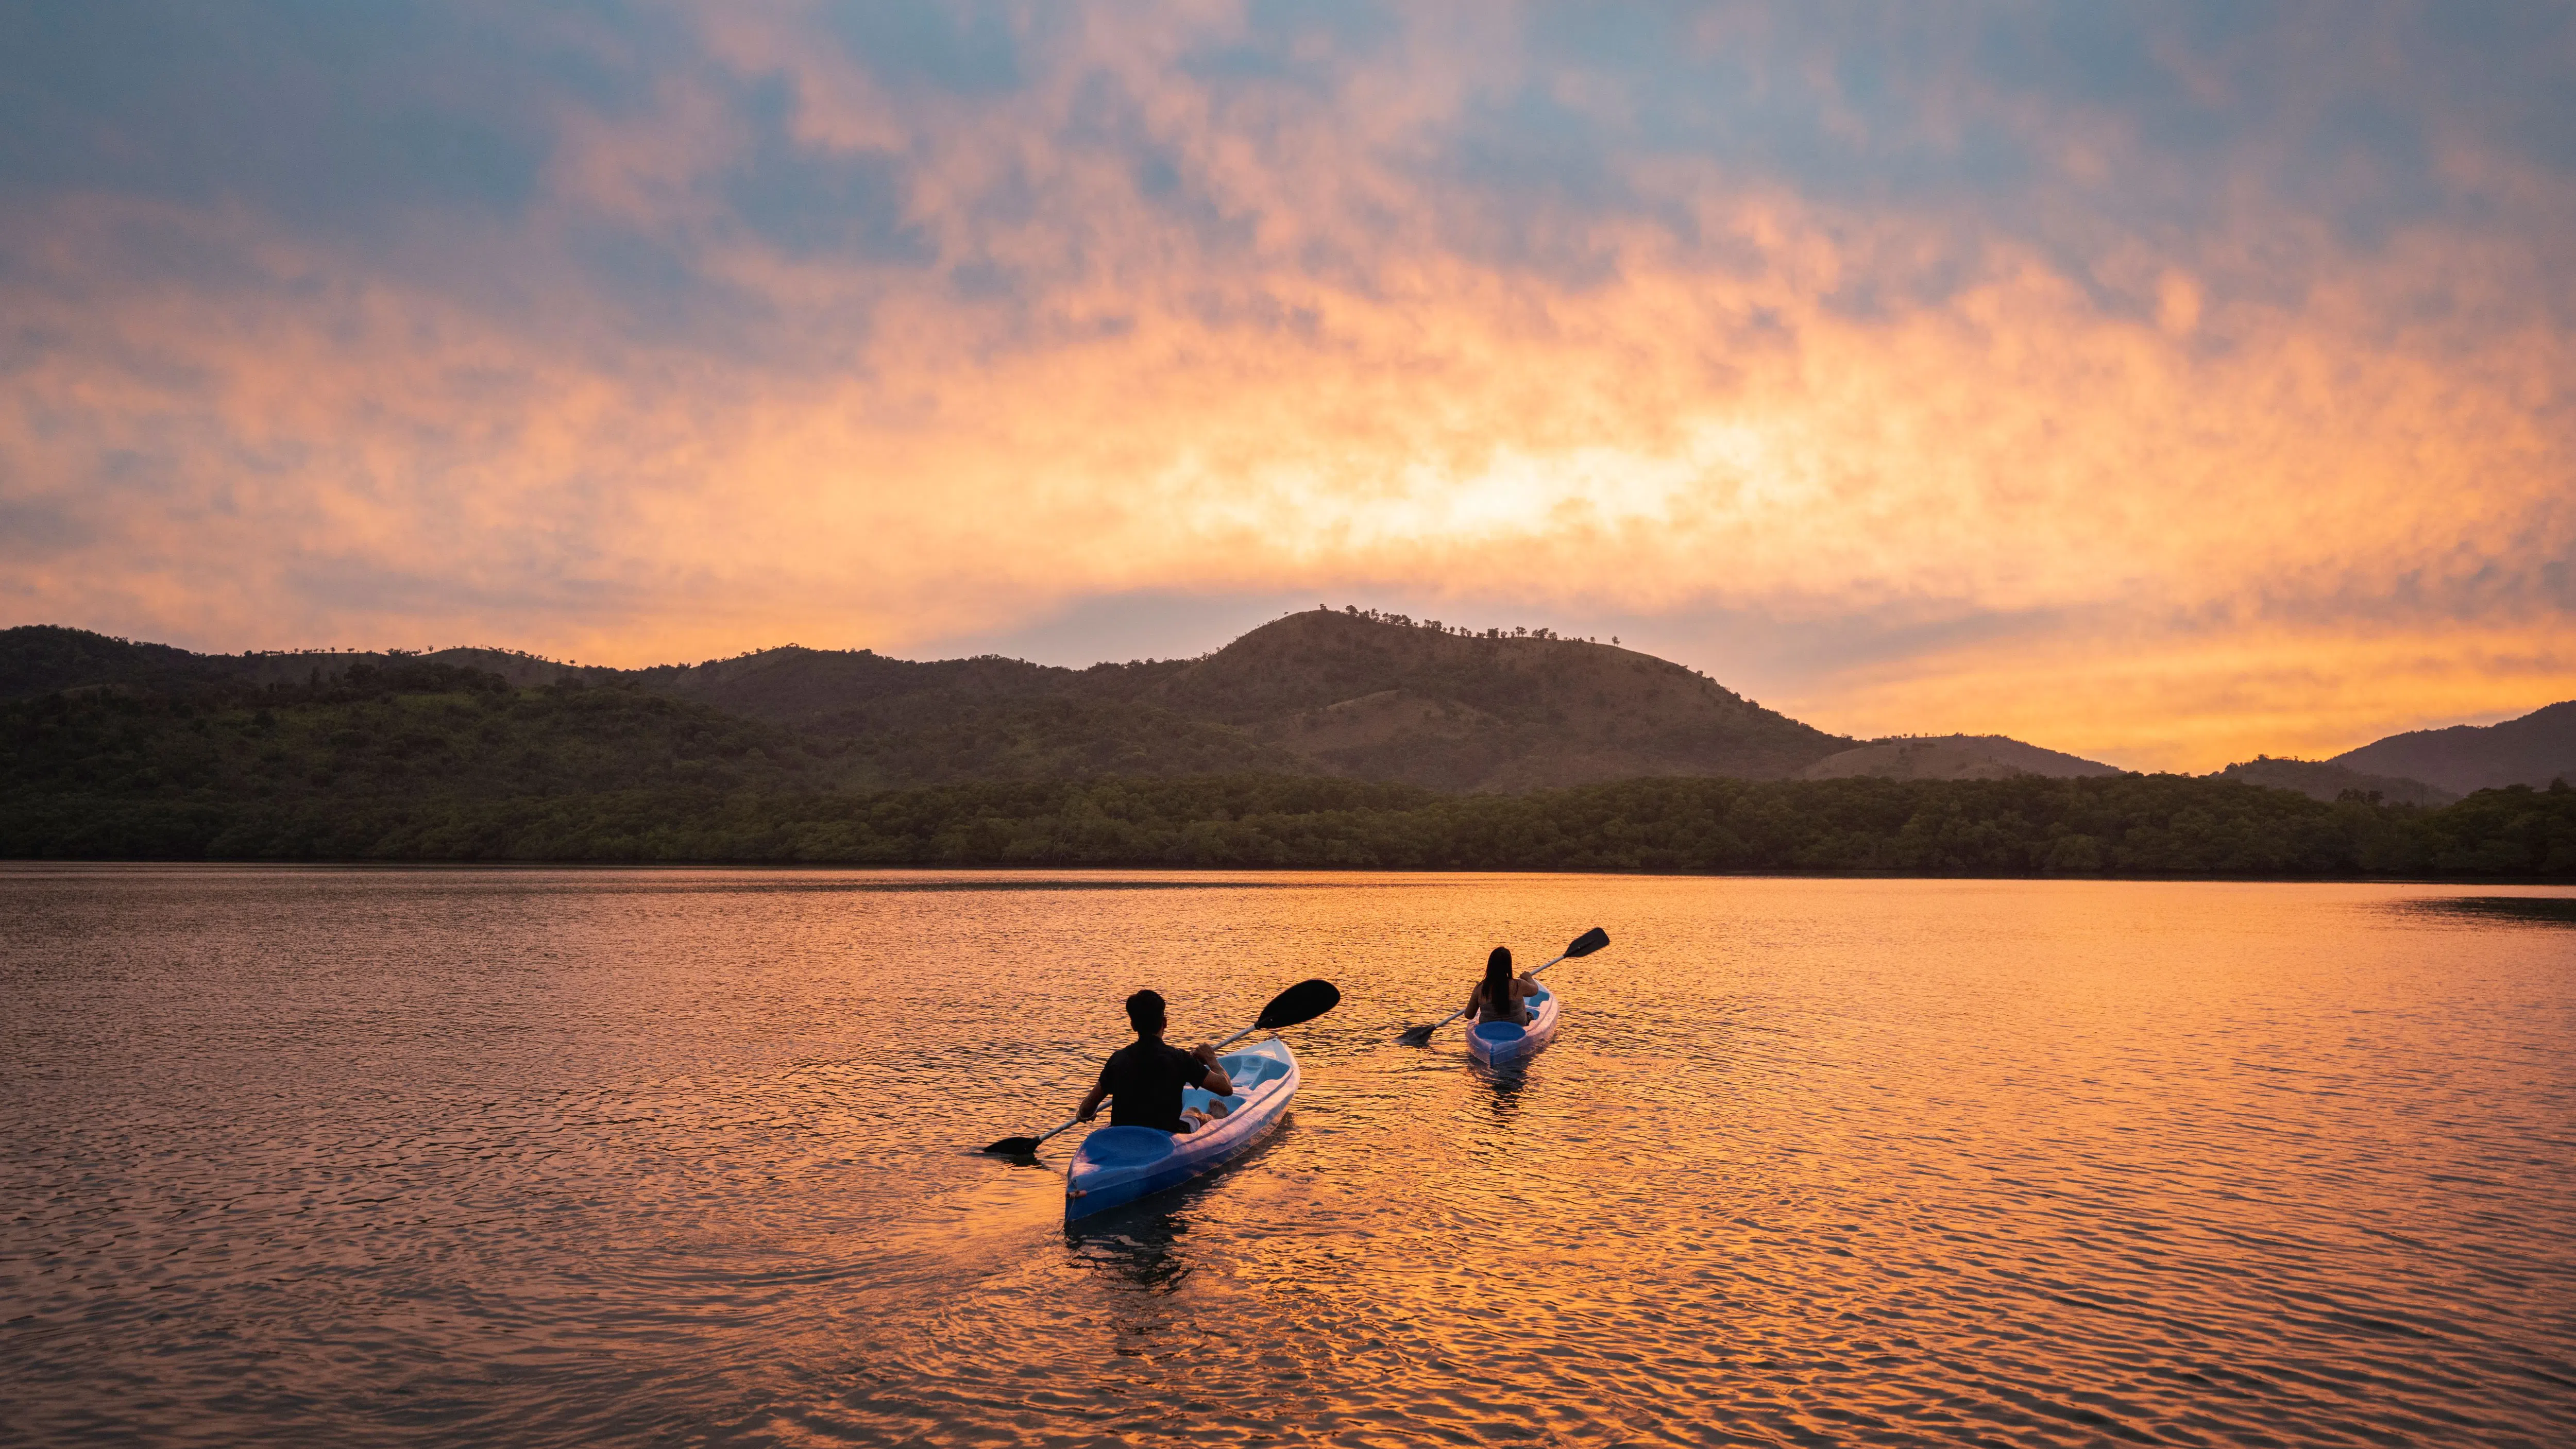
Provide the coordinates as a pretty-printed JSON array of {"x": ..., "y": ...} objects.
[
  {"x": 1298, "y": 45},
  {"x": 327, "y": 115},
  {"x": 1107, "y": 118},
  {"x": 1354, "y": 26},
  {"x": 660, "y": 294},
  {"x": 1936, "y": 113},
  {"x": 366, "y": 120},
  {"x": 40, "y": 529},
  {"x": 809, "y": 200},
  {"x": 1752, "y": 117},
  {"x": 982, "y": 279},
  {"x": 970, "y": 49},
  {"x": 1278, "y": 45}
]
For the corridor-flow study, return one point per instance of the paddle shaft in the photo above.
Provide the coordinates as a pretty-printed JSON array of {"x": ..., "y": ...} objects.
[
  {"x": 1462, "y": 1011},
  {"x": 1076, "y": 1117},
  {"x": 1299, "y": 1003}
]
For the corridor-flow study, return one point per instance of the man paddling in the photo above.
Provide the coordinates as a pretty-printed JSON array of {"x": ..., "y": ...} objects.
[{"x": 1145, "y": 1077}]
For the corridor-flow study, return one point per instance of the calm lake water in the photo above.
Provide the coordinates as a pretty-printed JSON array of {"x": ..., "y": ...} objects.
[{"x": 587, "y": 1157}]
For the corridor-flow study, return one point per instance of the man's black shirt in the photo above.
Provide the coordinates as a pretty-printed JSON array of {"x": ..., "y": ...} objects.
[{"x": 1144, "y": 1081}]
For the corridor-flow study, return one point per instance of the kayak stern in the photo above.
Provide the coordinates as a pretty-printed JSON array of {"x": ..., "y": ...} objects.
[{"x": 1498, "y": 1043}]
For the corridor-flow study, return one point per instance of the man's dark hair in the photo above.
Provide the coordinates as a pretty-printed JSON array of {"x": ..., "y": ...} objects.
[{"x": 1145, "y": 1011}]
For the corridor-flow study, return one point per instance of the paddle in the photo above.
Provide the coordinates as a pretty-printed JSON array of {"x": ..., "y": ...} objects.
[
  {"x": 1583, "y": 945},
  {"x": 1302, "y": 1002}
]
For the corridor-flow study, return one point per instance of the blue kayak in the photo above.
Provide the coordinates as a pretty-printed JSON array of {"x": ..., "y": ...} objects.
[
  {"x": 1117, "y": 1165},
  {"x": 1498, "y": 1043}
]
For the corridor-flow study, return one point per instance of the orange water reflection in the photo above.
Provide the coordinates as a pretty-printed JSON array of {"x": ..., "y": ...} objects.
[{"x": 607, "y": 1157}]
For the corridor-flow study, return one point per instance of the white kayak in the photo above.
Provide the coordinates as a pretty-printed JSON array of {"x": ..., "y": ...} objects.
[
  {"x": 1497, "y": 1043},
  {"x": 1117, "y": 1165}
]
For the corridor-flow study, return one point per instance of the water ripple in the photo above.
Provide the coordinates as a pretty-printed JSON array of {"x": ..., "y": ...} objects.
[{"x": 681, "y": 1157}]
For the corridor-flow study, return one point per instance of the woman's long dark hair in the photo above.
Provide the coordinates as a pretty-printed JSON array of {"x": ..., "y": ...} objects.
[{"x": 1498, "y": 982}]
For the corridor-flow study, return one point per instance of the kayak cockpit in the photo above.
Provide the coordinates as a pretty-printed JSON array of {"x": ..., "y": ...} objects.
[
  {"x": 1120, "y": 1147},
  {"x": 1246, "y": 1070},
  {"x": 1117, "y": 1165},
  {"x": 1497, "y": 1042},
  {"x": 1503, "y": 1031}
]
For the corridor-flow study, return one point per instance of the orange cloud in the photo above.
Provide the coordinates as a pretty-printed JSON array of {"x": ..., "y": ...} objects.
[{"x": 2226, "y": 512}]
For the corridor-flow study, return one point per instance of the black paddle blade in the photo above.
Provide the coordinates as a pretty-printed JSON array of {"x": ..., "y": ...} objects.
[
  {"x": 1413, "y": 1036},
  {"x": 1014, "y": 1146},
  {"x": 1302, "y": 1002},
  {"x": 1589, "y": 942}
]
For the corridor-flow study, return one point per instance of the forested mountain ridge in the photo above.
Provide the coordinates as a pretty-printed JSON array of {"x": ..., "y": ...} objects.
[
  {"x": 1396, "y": 700},
  {"x": 264, "y": 769},
  {"x": 42, "y": 659},
  {"x": 2321, "y": 781},
  {"x": 1331, "y": 693},
  {"x": 1335, "y": 693},
  {"x": 1324, "y": 693},
  {"x": 370, "y": 768},
  {"x": 2533, "y": 750},
  {"x": 416, "y": 759}
]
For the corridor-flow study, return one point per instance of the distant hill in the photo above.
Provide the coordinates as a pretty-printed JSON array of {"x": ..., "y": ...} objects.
[
  {"x": 374, "y": 760},
  {"x": 1347, "y": 694},
  {"x": 1329, "y": 693},
  {"x": 2321, "y": 781},
  {"x": 42, "y": 659},
  {"x": 1359, "y": 695},
  {"x": 140, "y": 752},
  {"x": 1952, "y": 757},
  {"x": 1394, "y": 700},
  {"x": 2533, "y": 750}
]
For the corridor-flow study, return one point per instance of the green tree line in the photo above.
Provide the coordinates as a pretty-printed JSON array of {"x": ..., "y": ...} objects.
[{"x": 427, "y": 763}]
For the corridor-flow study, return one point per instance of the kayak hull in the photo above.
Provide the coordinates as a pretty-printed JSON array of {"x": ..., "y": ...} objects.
[
  {"x": 1500, "y": 1043},
  {"x": 1116, "y": 1166}
]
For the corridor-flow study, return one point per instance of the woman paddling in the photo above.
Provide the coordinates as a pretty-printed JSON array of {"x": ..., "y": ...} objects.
[{"x": 1498, "y": 996}]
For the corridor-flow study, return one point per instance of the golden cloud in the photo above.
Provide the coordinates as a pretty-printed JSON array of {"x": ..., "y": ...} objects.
[{"x": 2245, "y": 518}]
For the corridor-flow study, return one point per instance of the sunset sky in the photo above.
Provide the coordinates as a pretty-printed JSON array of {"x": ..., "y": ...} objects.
[{"x": 2160, "y": 382}]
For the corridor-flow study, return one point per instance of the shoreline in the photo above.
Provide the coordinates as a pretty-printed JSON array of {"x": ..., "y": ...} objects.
[{"x": 360, "y": 864}]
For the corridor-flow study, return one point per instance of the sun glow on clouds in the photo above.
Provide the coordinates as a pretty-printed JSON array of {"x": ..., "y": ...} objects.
[{"x": 2091, "y": 390}]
